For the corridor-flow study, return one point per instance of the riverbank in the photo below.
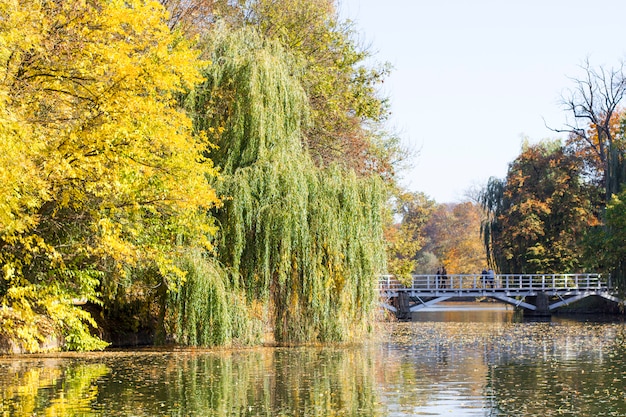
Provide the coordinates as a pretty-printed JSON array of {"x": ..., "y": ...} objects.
[{"x": 121, "y": 335}]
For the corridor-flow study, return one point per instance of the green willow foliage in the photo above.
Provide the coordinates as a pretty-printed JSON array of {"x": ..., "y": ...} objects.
[
  {"x": 492, "y": 202},
  {"x": 206, "y": 310},
  {"x": 303, "y": 242}
]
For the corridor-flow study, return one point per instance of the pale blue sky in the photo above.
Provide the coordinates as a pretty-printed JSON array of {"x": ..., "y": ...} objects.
[{"x": 471, "y": 78}]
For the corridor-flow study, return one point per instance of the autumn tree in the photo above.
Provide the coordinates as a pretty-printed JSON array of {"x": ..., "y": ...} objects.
[
  {"x": 453, "y": 238},
  {"x": 336, "y": 73},
  {"x": 342, "y": 90},
  {"x": 100, "y": 172},
  {"x": 192, "y": 16},
  {"x": 539, "y": 214},
  {"x": 405, "y": 236}
]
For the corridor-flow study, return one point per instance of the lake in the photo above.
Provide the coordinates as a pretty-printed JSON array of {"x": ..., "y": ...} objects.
[{"x": 455, "y": 359}]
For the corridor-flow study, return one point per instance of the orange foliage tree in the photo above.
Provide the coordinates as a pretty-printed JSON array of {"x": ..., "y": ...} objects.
[{"x": 540, "y": 213}]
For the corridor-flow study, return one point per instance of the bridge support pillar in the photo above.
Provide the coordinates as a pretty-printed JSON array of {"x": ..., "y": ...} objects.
[
  {"x": 542, "y": 302},
  {"x": 403, "y": 308}
]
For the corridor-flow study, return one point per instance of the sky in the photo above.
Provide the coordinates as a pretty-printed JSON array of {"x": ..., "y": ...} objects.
[{"x": 472, "y": 79}]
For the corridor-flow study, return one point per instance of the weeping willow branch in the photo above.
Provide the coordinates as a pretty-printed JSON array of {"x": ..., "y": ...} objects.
[{"x": 305, "y": 242}]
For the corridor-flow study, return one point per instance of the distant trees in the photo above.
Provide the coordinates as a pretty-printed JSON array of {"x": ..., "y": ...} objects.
[
  {"x": 560, "y": 207},
  {"x": 538, "y": 215},
  {"x": 430, "y": 235},
  {"x": 453, "y": 236},
  {"x": 406, "y": 238}
]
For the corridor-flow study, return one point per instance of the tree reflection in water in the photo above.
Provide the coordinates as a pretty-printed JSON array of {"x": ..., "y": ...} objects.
[
  {"x": 278, "y": 381},
  {"x": 453, "y": 367},
  {"x": 49, "y": 387},
  {"x": 570, "y": 378}
]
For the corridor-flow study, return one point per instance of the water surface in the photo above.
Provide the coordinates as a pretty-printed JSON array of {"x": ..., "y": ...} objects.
[{"x": 476, "y": 360}]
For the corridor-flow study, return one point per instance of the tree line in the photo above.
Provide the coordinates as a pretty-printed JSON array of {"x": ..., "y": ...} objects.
[
  {"x": 205, "y": 172},
  {"x": 218, "y": 172}
]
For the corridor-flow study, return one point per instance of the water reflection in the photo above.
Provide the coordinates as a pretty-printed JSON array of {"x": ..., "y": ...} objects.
[
  {"x": 268, "y": 382},
  {"x": 578, "y": 373},
  {"x": 477, "y": 363},
  {"x": 460, "y": 363},
  {"x": 56, "y": 386}
]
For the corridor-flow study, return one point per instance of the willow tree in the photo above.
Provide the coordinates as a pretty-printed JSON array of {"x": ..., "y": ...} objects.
[
  {"x": 342, "y": 89},
  {"x": 340, "y": 78},
  {"x": 304, "y": 243}
]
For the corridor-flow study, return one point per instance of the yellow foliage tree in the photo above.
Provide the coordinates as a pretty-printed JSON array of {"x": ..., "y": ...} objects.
[
  {"x": 99, "y": 170},
  {"x": 406, "y": 238},
  {"x": 454, "y": 237}
]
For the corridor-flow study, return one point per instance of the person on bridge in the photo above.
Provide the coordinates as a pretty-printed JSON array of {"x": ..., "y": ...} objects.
[
  {"x": 444, "y": 277},
  {"x": 484, "y": 278},
  {"x": 491, "y": 277}
]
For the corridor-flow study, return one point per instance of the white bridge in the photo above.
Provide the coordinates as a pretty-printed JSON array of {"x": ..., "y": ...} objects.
[{"x": 539, "y": 293}]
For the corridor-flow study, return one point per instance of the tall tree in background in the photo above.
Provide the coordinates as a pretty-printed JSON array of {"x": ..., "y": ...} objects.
[
  {"x": 595, "y": 132},
  {"x": 493, "y": 203},
  {"x": 538, "y": 216},
  {"x": 405, "y": 238},
  {"x": 342, "y": 89},
  {"x": 597, "y": 138}
]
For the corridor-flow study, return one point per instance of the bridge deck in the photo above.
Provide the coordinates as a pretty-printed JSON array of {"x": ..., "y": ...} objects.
[{"x": 429, "y": 289}]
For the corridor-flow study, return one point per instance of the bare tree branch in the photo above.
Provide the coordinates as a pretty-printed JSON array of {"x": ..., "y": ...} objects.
[{"x": 593, "y": 102}]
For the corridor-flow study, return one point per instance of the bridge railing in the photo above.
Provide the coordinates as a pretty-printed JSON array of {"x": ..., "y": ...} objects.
[
  {"x": 389, "y": 282},
  {"x": 516, "y": 282},
  {"x": 554, "y": 281}
]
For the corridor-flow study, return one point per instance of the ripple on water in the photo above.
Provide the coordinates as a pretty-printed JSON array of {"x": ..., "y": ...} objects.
[{"x": 513, "y": 368}]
